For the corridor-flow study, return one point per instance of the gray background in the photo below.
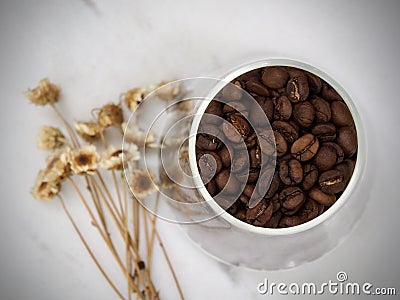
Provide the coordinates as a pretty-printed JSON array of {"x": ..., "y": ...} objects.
[{"x": 97, "y": 49}]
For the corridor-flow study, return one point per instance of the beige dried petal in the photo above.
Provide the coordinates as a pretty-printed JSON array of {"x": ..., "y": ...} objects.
[
  {"x": 134, "y": 134},
  {"x": 89, "y": 131},
  {"x": 50, "y": 138},
  {"x": 44, "y": 93},
  {"x": 134, "y": 96},
  {"x": 113, "y": 158},
  {"x": 45, "y": 189},
  {"x": 141, "y": 183},
  {"x": 110, "y": 114},
  {"x": 168, "y": 90},
  {"x": 58, "y": 166},
  {"x": 84, "y": 160}
]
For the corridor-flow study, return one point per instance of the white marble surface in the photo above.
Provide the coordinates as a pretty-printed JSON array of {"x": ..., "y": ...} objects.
[{"x": 96, "y": 49}]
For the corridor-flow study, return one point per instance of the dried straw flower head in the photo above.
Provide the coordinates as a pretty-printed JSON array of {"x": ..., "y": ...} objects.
[
  {"x": 84, "y": 160},
  {"x": 44, "y": 93},
  {"x": 58, "y": 166},
  {"x": 168, "y": 90},
  {"x": 113, "y": 158},
  {"x": 89, "y": 131},
  {"x": 141, "y": 183},
  {"x": 134, "y": 134},
  {"x": 45, "y": 189},
  {"x": 50, "y": 138},
  {"x": 110, "y": 114},
  {"x": 134, "y": 96}
]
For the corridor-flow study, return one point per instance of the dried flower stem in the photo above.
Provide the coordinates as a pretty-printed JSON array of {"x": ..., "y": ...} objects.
[
  {"x": 111, "y": 199},
  {"x": 71, "y": 133},
  {"x": 153, "y": 230},
  {"x": 89, "y": 250}
]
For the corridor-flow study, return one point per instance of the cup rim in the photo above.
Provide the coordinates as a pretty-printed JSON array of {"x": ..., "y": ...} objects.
[{"x": 358, "y": 170}]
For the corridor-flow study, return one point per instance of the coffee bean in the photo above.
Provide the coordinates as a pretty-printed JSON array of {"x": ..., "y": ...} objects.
[
  {"x": 325, "y": 132},
  {"x": 235, "y": 107},
  {"x": 283, "y": 108},
  {"x": 297, "y": 89},
  {"x": 304, "y": 113},
  {"x": 310, "y": 176},
  {"x": 209, "y": 164},
  {"x": 256, "y": 87},
  {"x": 232, "y": 92},
  {"x": 347, "y": 167},
  {"x": 291, "y": 199},
  {"x": 281, "y": 145},
  {"x": 347, "y": 140},
  {"x": 275, "y": 77},
  {"x": 288, "y": 131},
  {"x": 212, "y": 188},
  {"x": 248, "y": 190},
  {"x": 241, "y": 215},
  {"x": 325, "y": 158},
  {"x": 341, "y": 114},
  {"x": 338, "y": 149},
  {"x": 273, "y": 222},
  {"x": 260, "y": 213},
  {"x": 305, "y": 147},
  {"x": 314, "y": 83},
  {"x": 308, "y": 212},
  {"x": 329, "y": 94},
  {"x": 267, "y": 187},
  {"x": 291, "y": 172},
  {"x": 208, "y": 142},
  {"x": 332, "y": 181},
  {"x": 240, "y": 124},
  {"x": 226, "y": 182},
  {"x": 214, "y": 108},
  {"x": 240, "y": 162},
  {"x": 225, "y": 156},
  {"x": 323, "y": 198},
  {"x": 322, "y": 110}
]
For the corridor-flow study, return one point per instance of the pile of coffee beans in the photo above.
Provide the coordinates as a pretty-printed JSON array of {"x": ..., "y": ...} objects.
[{"x": 315, "y": 140}]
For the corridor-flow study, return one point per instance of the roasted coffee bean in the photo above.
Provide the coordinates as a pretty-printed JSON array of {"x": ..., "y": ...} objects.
[
  {"x": 209, "y": 164},
  {"x": 291, "y": 199},
  {"x": 341, "y": 115},
  {"x": 305, "y": 147},
  {"x": 232, "y": 92},
  {"x": 338, "y": 149},
  {"x": 283, "y": 108},
  {"x": 240, "y": 162},
  {"x": 307, "y": 117},
  {"x": 314, "y": 83},
  {"x": 273, "y": 222},
  {"x": 329, "y": 93},
  {"x": 256, "y": 87},
  {"x": 212, "y": 188},
  {"x": 304, "y": 113},
  {"x": 297, "y": 88},
  {"x": 325, "y": 158},
  {"x": 275, "y": 77},
  {"x": 291, "y": 172},
  {"x": 226, "y": 182},
  {"x": 260, "y": 213},
  {"x": 281, "y": 145},
  {"x": 310, "y": 176},
  {"x": 323, "y": 198},
  {"x": 322, "y": 110},
  {"x": 288, "y": 131},
  {"x": 255, "y": 157},
  {"x": 347, "y": 140},
  {"x": 325, "y": 132},
  {"x": 208, "y": 142},
  {"x": 332, "y": 181},
  {"x": 225, "y": 156},
  {"x": 236, "y": 107}
]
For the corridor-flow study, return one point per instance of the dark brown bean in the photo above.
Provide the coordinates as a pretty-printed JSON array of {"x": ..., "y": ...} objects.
[
  {"x": 325, "y": 158},
  {"x": 297, "y": 89},
  {"x": 341, "y": 114},
  {"x": 329, "y": 93},
  {"x": 347, "y": 140},
  {"x": 288, "y": 131},
  {"x": 323, "y": 198},
  {"x": 291, "y": 172},
  {"x": 305, "y": 147},
  {"x": 275, "y": 77},
  {"x": 332, "y": 181},
  {"x": 325, "y": 132},
  {"x": 304, "y": 113},
  {"x": 226, "y": 182},
  {"x": 291, "y": 199},
  {"x": 283, "y": 108},
  {"x": 310, "y": 176},
  {"x": 257, "y": 87},
  {"x": 314, "y": 83},
  {"x": 209, "y": 164}
]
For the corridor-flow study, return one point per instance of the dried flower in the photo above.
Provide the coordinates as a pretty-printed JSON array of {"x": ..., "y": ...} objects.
[
  {"x": 113, "y": 158},
  {"x": 89, "y": 131},
  {"x": 44, "y": 93},
  {"x": 50, "y": 138},
  {"x": 168, "y": 90},
  {"x": 45, "y": 189},
  {"x": 110, "y": 114},
  {"x": 134, "y": 96},
  {"x": 141, "y": 183},
  {"x": 58, "y": 166},
  {"x": 84, "y": 160},
  {"x": 134, "y": 134}
]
